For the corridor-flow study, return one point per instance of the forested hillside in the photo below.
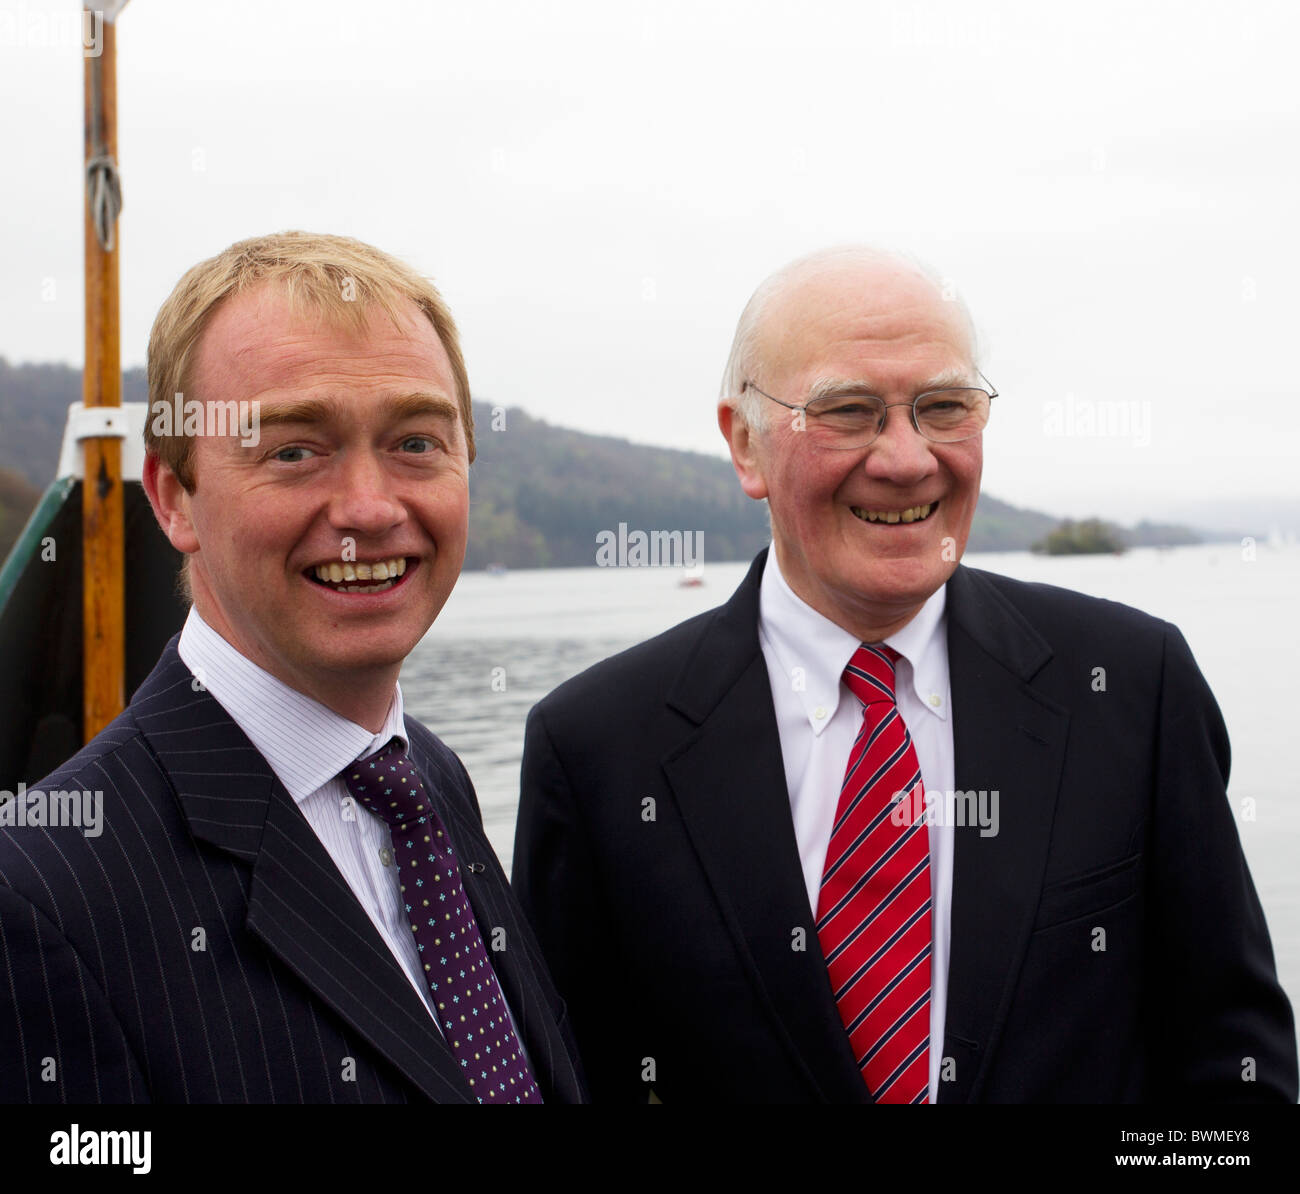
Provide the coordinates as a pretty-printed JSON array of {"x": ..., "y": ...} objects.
[{"x": 539, "y": 494}]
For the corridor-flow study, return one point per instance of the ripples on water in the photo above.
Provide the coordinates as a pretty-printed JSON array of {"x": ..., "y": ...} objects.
[
  {"x": 542, "y": 626},
  {"x": 503, "y": 642},
  {"x": 449, "y": 685}
]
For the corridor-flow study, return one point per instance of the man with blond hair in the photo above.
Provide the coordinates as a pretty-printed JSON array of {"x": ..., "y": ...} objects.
[
  {"x": 292, "y": 898},
  {"x": 884, "y": 828}
]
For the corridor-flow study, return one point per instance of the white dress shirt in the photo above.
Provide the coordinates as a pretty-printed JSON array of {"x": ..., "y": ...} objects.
[
  {"x": 817, "y": 719},
  {"x": 307, "y": 745}
]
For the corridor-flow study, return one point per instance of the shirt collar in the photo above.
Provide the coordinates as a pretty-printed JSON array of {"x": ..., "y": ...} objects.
[
  {"x": 305, "y": 743},
  {"x": 923, "y": 644},
  {"x": 814, "y": 651}
]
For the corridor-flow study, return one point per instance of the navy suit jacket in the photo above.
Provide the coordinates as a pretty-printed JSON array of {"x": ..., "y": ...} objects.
[
  {"x": 205, "y": 948},
  {"x": 656, "y": 857}
]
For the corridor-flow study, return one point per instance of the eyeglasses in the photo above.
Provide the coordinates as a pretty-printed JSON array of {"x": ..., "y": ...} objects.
[{"x": 856, "y": 420}]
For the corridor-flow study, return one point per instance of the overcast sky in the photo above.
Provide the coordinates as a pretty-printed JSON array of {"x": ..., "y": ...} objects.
[{"x": 597, "y": 188}]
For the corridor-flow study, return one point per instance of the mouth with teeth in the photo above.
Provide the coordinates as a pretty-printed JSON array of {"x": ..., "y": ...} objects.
[
  {"x": 911, "y": 514},
  {"x": 377, "y": 576}
]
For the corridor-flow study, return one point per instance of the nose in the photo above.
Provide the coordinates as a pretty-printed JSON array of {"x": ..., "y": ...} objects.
[
  {"x": 364, "y": 497},
  {"x": 900, "y": 453}
]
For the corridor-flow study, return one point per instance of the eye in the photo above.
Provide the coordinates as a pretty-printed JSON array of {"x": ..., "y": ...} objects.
[
  {"x": 949, "y": 404},
  {"x": 287, "y": 455},
  {"x": 419, "y": 444},
  {"x": 850, "y": 406}
]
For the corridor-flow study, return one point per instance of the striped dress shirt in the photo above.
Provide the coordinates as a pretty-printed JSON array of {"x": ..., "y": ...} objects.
[{"x": 307, "y": 746}]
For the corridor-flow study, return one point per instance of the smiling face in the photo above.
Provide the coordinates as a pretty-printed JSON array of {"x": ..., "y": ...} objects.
[
  {"x": 361, "y": 464},
  {"x": 886, "y": 329}
]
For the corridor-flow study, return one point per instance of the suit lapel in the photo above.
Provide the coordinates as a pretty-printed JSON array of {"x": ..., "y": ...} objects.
[
  {"x": 298, "y": 903},
  {"x": 536, "y": 1020},
  {"x": 728, "y": 780},
  {"x": 1007, "y": 738},
  {"x": 1010, "y": 739}
]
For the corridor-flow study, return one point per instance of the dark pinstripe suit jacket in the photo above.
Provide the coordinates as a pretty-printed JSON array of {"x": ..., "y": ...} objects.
[{"x": 288, "y": 994}]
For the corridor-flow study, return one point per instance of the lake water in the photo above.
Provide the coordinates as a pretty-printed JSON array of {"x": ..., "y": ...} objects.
[{"x": 503, "y": 642}]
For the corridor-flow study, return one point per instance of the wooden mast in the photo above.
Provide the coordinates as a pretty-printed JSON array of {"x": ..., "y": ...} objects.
[{"x": 103, "y": 585}]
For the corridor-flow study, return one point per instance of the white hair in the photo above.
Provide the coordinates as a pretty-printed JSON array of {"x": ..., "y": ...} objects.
[{"x": 743, "y": 362}]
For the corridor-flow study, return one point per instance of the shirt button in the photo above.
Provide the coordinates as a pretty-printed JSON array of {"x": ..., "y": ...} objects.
[
  {"x": 935, "y": 699},
  {"x": 819, "y": 713},
  {"x": 386, "y": 856}
]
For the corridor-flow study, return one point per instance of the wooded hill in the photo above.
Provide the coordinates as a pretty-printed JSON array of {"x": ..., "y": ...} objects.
[{"x": 539, "y": 494}]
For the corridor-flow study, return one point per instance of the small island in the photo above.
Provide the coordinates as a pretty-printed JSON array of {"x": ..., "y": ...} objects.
[{"x": 1091, "y": 536}]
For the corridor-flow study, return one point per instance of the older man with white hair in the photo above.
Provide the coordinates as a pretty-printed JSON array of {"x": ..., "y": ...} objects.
[{"x": 874, "y": 831}]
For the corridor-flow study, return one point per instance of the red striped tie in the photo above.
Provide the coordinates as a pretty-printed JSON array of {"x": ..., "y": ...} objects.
[{"x": 873, "y": 913}]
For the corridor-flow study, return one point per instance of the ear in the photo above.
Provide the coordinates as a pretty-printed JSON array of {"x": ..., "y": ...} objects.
[
  {"x": 171, "y": 504},
  {"x": 745, "y": 450}
]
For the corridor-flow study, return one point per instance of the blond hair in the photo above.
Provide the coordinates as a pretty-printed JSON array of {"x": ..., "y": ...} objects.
[{"x": 334, "y": 275}]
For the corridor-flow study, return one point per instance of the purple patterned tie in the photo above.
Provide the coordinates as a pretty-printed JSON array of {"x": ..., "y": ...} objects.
[{"x": 471, "y": 1008}]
